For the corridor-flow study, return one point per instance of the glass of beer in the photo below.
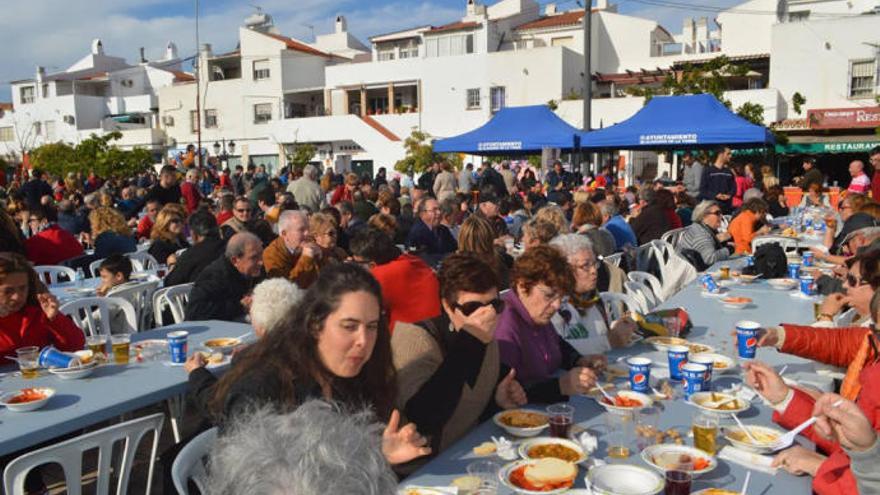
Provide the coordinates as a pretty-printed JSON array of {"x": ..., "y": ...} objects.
[
  {"x": 621, "y": 430},
  {"x": 561, "y": 417},
  {"x": 120, "y": 344},
  {"x": 28, "y": 361},
  {"x": 725, "y": 272},
  {"x": 705, "y": 427},
  {"x": 98, "y": 345}
]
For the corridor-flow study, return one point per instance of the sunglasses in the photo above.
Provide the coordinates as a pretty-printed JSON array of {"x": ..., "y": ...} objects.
[
  {"x": 852, "y": 281},
  {"x": 243, "y": 210},
  {"x": 716, "y": 212},
  {"x": 471, "y": 307}
]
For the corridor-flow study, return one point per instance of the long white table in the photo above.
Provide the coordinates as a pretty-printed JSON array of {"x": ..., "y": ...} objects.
[
  {"x": 110, "y": 391},
  {"x": 712, "y": 325}
]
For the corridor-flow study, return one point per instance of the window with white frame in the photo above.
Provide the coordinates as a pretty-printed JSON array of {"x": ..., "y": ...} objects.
[
  {"x": 27, "y": 94},
  {"x": 210, "y": 119},
  {"x": 409, "y": 49},
  {"x": 473, "y": 99},
  {"x": 7, "y": 134},
  {"x": 193, "y": 121},
  {"x": 862, "y": 78},
  {"x": 497, "y": 96},
  {"x": 262, "y": 113},
  {"x": 261, "y": 69},
  {"x": 455, "y": 44}
]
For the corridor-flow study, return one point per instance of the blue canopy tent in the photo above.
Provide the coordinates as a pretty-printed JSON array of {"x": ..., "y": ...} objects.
[
  {"x": 514, "y": 131},
  {"x": 674, "y": 122}
]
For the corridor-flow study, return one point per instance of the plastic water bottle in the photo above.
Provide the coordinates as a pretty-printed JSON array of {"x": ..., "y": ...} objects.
[{"x": 80, "y": 276}]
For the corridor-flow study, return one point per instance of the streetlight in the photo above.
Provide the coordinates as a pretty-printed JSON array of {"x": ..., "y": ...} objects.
[{"x": 224, "y": 156}]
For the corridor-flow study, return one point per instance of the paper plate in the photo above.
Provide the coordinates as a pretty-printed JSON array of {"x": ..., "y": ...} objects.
[{"x": 624, "y": 479}]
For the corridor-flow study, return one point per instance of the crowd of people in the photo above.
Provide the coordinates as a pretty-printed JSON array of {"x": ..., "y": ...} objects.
[{"x": 432, "y": 303}]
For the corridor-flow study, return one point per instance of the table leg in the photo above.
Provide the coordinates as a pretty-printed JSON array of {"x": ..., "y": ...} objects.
[{"x": 175, "y": 411}]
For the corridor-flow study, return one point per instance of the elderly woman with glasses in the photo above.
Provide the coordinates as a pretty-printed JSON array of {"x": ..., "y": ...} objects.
[
  {"x": 540, "y": 280},
  {"x": 449, "y": 371},
  {"x": 583, "y": 320},
  {"x": 324, "y": 230},
  {"x": 702, "y": 235}
]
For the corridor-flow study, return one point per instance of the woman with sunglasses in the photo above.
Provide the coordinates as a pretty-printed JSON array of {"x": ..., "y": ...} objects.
[
  {"x": 528, "y": 342},
  {"x": 582, "y": 320},
  {"x": 167, "y": 236},
  {"x": 702, "y": 235},
  {"x": 449, "y": 371}
]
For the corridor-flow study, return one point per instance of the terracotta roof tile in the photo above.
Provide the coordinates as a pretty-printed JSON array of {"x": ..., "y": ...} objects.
[
  {"x": 570, "y": 18},
  {"x": 5, "y": 106},
  {"x": 297, "y": 46},
  {"x": 455, "y": 26},
  {"x": 180, "y": 76}
]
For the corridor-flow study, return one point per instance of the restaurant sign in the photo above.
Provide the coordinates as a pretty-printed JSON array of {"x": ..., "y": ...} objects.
[{"x": 844, "y": 118}]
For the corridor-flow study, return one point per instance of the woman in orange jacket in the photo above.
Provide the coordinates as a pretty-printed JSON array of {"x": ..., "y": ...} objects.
[{"x": 748, "y": 224}]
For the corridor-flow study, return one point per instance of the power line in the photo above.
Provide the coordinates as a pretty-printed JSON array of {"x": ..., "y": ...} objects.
[{"x": 732, "y": 10}]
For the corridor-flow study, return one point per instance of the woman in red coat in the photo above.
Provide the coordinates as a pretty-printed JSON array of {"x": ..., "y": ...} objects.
[{"x": 29, "y": 316}]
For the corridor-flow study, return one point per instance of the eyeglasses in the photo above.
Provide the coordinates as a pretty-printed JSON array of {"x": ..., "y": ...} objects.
[
  {"x": 551, "y": 296},
  {"x": 853, "y": 281},
  {"x": 471, "y": 307},
  {"x": 243, "y": 210},
  {"x": 587, "y": 266},
  {"x": 713, "y": 212}
]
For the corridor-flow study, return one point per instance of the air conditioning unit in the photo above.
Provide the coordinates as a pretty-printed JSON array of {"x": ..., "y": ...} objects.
[
  {"x": 69, "y": 119},
  {"x": 168, "y": 121}
]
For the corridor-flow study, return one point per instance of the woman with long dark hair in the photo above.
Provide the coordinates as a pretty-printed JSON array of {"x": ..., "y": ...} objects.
[{"x": 335, "y": 346}]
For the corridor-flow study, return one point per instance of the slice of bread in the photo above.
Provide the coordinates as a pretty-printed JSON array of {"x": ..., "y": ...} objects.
[
  {"x": 485, "y": 448},
  {"x": 550, "y": 470}
]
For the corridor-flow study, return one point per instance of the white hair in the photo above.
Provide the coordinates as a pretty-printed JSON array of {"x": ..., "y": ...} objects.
[
  {"x": 317, "y": 449},
  {"x": 701, "y": 209},
  {"x": 571, "y": 244},
  {"x": 287, "y": 216},
  {"x": 311, "y": 172},
  {"x": 273, "y": 299}
]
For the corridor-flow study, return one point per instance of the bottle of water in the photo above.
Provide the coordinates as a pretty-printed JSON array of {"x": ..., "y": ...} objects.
[{"x": 80, "y": 276}]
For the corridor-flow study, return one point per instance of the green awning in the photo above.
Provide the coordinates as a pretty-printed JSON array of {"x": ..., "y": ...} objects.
[{"x": 815, "y": 148}]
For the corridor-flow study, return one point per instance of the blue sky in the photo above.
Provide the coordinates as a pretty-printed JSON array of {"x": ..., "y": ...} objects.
[{"x": 56, "y": 33}]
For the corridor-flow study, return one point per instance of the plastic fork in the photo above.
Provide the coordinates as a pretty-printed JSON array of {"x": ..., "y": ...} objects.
[
  {"x": 746, "y": 484},
  {"x": 786, "y": 440},
  {"x": 746, "y": 430},
  {"x": 601, "y": 389}
]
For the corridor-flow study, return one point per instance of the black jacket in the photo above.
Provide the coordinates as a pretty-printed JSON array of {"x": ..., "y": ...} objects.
[
  {"x": 191, "y": 263},
  {"x": 217, "y": 293},
  {"x": 162, "y": 249},
  {"x": 717, "y": 181},
  {"x": 163, "y": 195},
  {"x": 651, "y": 223}
]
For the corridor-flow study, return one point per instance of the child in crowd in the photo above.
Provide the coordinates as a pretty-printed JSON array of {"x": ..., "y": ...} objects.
[{"x": 115, "y": 270}]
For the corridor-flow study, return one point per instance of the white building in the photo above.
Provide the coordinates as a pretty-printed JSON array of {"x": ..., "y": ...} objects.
[{"x": 97, "y": 94}]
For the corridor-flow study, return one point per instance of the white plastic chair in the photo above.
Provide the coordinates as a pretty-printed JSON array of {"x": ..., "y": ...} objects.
[
  {"x": 95, "y": 267},
  {"x": 190, "y": 463},
  {"x": 175, "y": 298},
  {"x": 613, "y": 259},
  {"x": 788, "y": 244},
  {"x": 92, "y": 314},
  {"x": 142, "y": 261},
  {"x": 650, "y": 281},
  {"x": 49, "y": 273},
  {"x": 641, "y": 294},
  {"x": 673, "y": 236},
  {"x": 69, "y": 454},
  {"x": 140, "y": 295},
  {"x": 616, "y": 303}
]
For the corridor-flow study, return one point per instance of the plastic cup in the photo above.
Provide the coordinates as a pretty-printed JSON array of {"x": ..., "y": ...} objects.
[
  {"x": 120, "y": 345},
  {"x": 747, "y": 339},
  {"x": 808, "y": 285},
  {"x": 561, "y": 418},
  {"x": 28, "y": 361},
  {"x": 51, "y": 357},
  {"x": 98, "y": 345},
  {"x": 639, "y": 374},
  {"x": 678, "y": 356},
  {"x": 694, "y": 374},
  {"x": 705, "y": 429},
  {"x": 709, "y": 363},
  {"x": 794, "y": 270},
  {"x": 487, "y": 472},
  {"x": 177, "y": 345}
]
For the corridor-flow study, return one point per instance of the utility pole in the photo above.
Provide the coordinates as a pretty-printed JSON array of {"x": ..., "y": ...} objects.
[
  {"x": 588, "y": 74},
  {"x": 198, "y": 71}
]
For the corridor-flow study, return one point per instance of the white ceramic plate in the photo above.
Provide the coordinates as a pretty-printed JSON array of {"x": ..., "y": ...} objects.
[
  {"x": 663, "y": 343},
  {"x": 735, "y": 304},
  {"x": 527, "y": 445},
  {"x": 27, "y": 406},
  {"x": 517, "y": 431},
  {"x": 624, "y": 479},
  {"x": 782, "y": 283},
  {"x": 75, "y": 373},
  {"x": 746, "y": 444},
  {"x": 722, "y": 292},
  {"x": 504, "y": 476},
  {"x": 699, "y": 397},
  {"x": 721, "y": 363},
  {"x": 225, "y": 349},
  {"x": 650, "y": 454},
  {"x": 629, "y": 394}
]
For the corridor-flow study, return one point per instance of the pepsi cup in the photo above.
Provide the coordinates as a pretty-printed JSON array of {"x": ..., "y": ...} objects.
[
  {"x": 709, "y": 283},
  {"x": 51, "y": 357},
  {"x": 750, "y": 260},
  {"x": 794, "y": 270},
  {"x": 807, "y": 259},
  {"x": 678, "y": 356},
  {"x": 639, "y": 374},
  {"x": 177, "y": 346},
  {"x": 693, "y": 375},
  {"x": 747, "y": 339},
  {"x": 808, "y": 285},
  {"x": 709, "y": 364}
]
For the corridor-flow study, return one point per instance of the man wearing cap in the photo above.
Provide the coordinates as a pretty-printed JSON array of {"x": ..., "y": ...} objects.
[
  {"x": 489, "y": 208},
  {"x": 811, "y": 174}
]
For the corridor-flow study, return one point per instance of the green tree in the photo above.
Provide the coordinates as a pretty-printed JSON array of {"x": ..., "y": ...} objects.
[
  {"x": 301, "y": 156},
  {"x": 94, "y": 153},
  {"x": 56, "y": 158},
  {"x": 419, "y": 154}
]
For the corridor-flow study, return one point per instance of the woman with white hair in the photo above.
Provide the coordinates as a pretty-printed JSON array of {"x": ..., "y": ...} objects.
[
  {"x": 582, "y": 320},
  {"x": 702, "y": 235},
  {"x": 317, "y": 449}
]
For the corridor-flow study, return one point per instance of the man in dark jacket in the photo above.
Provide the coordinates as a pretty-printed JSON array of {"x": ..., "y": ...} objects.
[
  {"x": 222, "y": 290},
  {"x": 811, "y": 174},
  {"x": 491, "y": 178},
  {"x": 167, "y": 190},
  {"x": 718, "y": 183},
  {"x": 34, "y": 189},
  {"x": 207, "y": 247},
  {"x": 651, "y": 222},
  {"x": 428, "y": 235}
]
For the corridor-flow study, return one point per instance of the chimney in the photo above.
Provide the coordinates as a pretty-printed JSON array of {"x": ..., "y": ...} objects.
[
  {"x": 550, "y": 9},
  {"x": 143, "y": 58},
  {"x": 341, "y": 24},
  {"x": 206, "y": 50},
  {"x": 171, "y": 51},
  {"x": 41, "y": 73},
  {"x": 601, "y": 4}
]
